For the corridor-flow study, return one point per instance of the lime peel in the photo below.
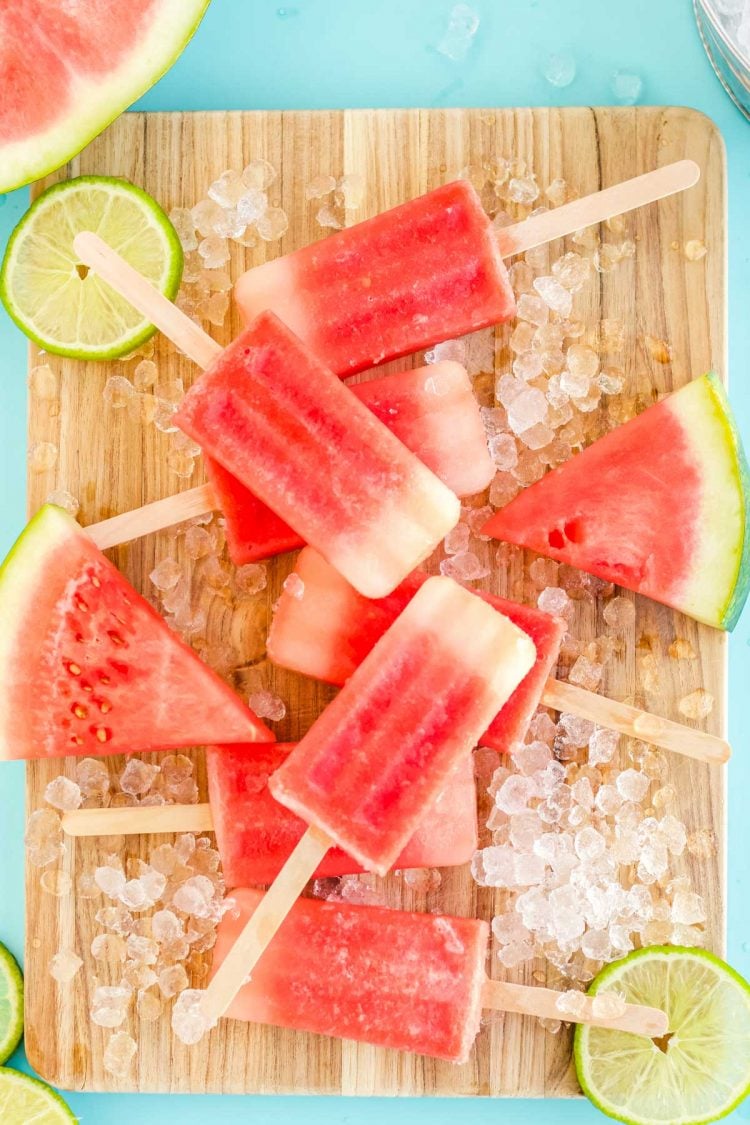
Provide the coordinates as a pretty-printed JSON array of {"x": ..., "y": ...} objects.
[
  {"x": 24, "y": 1099},
  {"x": 11, "y": 1004}
]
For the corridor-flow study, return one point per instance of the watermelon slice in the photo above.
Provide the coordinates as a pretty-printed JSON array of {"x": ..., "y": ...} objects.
[
  {"x": 658, "y": 505},
  {"x": 88, "y": 667},
  {"x": 325, "y": 629},
  {"x": 69, "y": 67},
  {"x": 432, "y": 410}
]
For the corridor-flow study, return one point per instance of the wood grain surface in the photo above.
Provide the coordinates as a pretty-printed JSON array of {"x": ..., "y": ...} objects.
[{"x": 112, "y": 465}]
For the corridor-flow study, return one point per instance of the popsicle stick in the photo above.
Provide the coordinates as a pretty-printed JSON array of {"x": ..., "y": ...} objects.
[
  {"x": 180, "y": 329},
  {"x": 152, "y": 517},
  {"x": 126, "y": 821},
  {"x": 595, "y": 208},
  {"x": 529, "y": 1000},
  {"x": 664, "y": 733},
  {"x": 265, "y": 921}
]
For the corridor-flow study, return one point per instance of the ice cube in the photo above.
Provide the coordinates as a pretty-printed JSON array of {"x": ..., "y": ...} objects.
[
  {"x": 626, "y": 87},
  {"x": 173, "y": 979},
  {"x": 603, "y": 745},
  {"x": 117, "y": 391},
  {"x": 528, "y": 870},
  {"x": 258, "y": 174},
  {"x": 142, "y": 949},
  {"x": 589, "y": 844},
  {"x": 559, "y": 69},
  {"x": 148, "y": 1006},
  {"x": 319, "y": 186},
  {"x": 619, "y": 614},
  {"x": 63, "y": 793},
  {"x": 523, "y": 189},
  {"x": 596, "y": 945},
  {"x": 697, "y": 704},
  {"x": 555, "y": 601},
  {"x": 571, "y": 1004},
  {"x": 530, "y": 758},
  {"x": 554, "y": 295},
  {"x": 119, "y": 1054},
  {"x": 227, "y": 189},
  {"x": 515, "y": 794},
  {"x": 702, "y": 843},
  {"x": 250, "y": 578},
  {"x": 64, "y": 966},
  {"x": 43, "y": 383},
  {"x": 109, "y": 1005},
  {"x": 43, "y": 838},
  {"x": 329, "y": 218},
  {"x": 182, "y": 221},
  {"x": 108, "y": 947},
  {"x": 458, "y": 38},
  {"x": 188, "y": 1020},
  {"x": 572, "y": 270},
  {"x": 528, "y": 365},
  {"x": 495, "y": 866},
  {"x": 586, "y": 673},
  {"x": 294, "y": 586},
  {"x": 272, "y": 224},
  {"x": 515, "y": 954},
  {"x": 266, "y": 705},
  {"x": 526, "y": 409},
  {"x": 633, "y": 785},
  {"x": 457, "y": 540},
  {"x": 464, "y": 567},
  {"x": 688, "y": 908},
  {"x": 138, "y": 777},
  {"x": 214, "y": 251}
]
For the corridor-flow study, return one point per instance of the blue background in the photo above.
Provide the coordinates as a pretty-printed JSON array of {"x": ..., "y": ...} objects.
[{"x": 254, "y": 54}]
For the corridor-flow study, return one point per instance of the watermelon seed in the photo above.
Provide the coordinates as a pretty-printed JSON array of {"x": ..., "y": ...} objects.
[
  {"x": 103, "y": 734},
  {"x": 79, "y": 710},
  {"x": 116, "y": 638},
  {"x": 73, "y": 668},
  {"x": 76, "y": 740},
  {"x": 81, "y": 604},
  {"x": 103, "y": 679},
  {"x": 95, "y": 581},
  {"x": 104, "y": 706}
]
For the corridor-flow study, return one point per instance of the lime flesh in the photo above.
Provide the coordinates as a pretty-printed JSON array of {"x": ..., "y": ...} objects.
[
  {"x": 11, "y": 1004},
  {"x": 57, "y": 301},
  {"x": 24, "y": 1100},
  {"x": 700, "y": 1071}
]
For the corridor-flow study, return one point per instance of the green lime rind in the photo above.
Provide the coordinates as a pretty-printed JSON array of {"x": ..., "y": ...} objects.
[
  {"x": 741, "y": 588},
  {"x": 692, "y": 1066},
  {"x": 24, "y": 1099},
  {"x": 65, "y": 208},
  {"x": 11, "y": 1004},
  {"x": 105, "y": 96}
]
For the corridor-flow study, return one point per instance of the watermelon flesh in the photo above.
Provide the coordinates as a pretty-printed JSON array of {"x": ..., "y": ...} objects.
[
  {"x": 426, "y": 271},
  {"x": 432, "y": 410},
  {"x": 659, "y": 506},
  {"x": 87, "y": 667},
  {"x": 329, "y": 630},
  {"x": 68, "y": 69},
  {"x": 393, "y": 978},
  {"x": 256, "y": 835},
  {"x": 282, "y": 423}
]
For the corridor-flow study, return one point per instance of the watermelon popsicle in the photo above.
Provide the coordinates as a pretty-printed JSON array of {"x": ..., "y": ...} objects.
[
  {"x": 432, "y": 410},
  {"x": 425, "y": 271},
  {"x": 376, "y": 759},
  {"x": 411, "y": 982},
  {"x": 280, "y": 422},
  {"x": 255, "y": 835},
  {"x": 326, "y": 629}
]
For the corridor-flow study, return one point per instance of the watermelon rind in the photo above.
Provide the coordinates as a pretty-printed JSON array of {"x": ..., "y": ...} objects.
[
  {"x": 741, "y": 589},
  {"x": 99, "y": 100},
  {"x": 718, "y": 589}
]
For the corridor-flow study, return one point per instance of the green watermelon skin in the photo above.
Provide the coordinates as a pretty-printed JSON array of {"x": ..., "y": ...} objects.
[
  {"x": 659, "y": 505},
  {"x": 88, "y": 667}
]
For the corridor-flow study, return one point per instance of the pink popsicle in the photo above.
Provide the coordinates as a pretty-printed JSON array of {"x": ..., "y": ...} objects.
[
  {"x": 395, "y": 979},
  {"x": 380, "y": 753},
  {"x": 426, "y": 271},
  {"x": 327, "y": 630},
  {"x": 288, "y": 429},
  {"x": 255, "y": 834},
  {"x": 432, "y": 410}
]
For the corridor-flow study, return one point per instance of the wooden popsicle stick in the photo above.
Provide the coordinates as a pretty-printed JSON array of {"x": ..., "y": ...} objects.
[
  {"x": 664, "y": 733},
  {"x": 152, "y": 517},
  {"x": 127, "y": 821},
  {"x": 265, "y": 921},
  {"x": 595, "y": 208},
  {"x": 530, "y": 1000},
  {"x": 176, "y": 326}
]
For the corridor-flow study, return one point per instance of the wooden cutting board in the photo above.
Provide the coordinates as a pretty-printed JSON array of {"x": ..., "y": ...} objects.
[{"x": 113, "y": 465}]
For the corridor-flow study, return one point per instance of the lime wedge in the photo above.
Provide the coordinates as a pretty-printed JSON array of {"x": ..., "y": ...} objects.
[
  {"x": 55, "y": 299},
  {"x": 11, "y": 1004},
  {"x": 700, "y": 1071},
  {"x": 24, "y": 1099}
]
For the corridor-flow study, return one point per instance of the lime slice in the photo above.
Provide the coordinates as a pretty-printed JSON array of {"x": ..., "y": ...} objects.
[
  {"x": 700, "y": 1071},
  {"x": 24, "y": 1099},
  {"x": 56, "y": 300},
  {"x": 11, "y": 1004}
]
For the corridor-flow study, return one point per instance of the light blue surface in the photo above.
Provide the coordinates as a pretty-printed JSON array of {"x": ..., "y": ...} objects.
[{"x": 253, "y": 54}]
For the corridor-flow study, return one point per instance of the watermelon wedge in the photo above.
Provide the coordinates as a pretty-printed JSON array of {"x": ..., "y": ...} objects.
[
  {"x": 432, "y": 410},
  {"x": 658, "y": 506},
  {"x": 325, "y": 629},
  {"x": 88, "y": 667},
  {"x": 69, "y": 67}
]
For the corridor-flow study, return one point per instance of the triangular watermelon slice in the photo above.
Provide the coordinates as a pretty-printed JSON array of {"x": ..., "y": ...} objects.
[
  {"x": 658, "y": 505},
  {"x": 323, "y": 628},
  {"x": 88, "y": 667}
]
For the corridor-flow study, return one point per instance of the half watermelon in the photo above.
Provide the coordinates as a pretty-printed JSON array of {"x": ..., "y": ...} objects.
[
  {"x": 88, "y": 667},
  {"x": 69, "y": 67},
  {"x": 658, "y": 506}
]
